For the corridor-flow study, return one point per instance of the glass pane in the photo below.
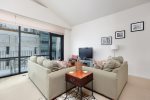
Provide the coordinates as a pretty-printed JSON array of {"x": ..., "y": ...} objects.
[
  {"x": 56, "y": 48},
  {"x": 33, "y": 42},
  {"x": 8, "y": 49},
  {"x": 44, "y": 44}
]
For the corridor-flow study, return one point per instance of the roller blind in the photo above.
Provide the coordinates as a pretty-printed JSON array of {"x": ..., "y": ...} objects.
[{"x": 15, "y": 19}]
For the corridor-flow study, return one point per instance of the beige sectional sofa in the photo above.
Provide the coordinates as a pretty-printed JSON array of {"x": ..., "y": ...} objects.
[
  {"x": 109, "y": 84},
  {"x": 52, "y": 84}
]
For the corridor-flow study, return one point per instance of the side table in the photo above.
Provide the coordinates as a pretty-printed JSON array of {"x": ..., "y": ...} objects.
[{"x": 79, "y": 79}]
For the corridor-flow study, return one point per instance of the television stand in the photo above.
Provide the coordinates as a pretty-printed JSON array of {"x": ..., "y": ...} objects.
[{"x": 88, "y": 63}]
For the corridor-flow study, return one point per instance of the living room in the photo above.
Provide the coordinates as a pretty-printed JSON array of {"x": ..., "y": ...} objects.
[{"x": 110, "y": 28}]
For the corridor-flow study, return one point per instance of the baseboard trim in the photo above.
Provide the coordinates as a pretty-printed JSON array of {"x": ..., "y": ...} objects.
[{"x": 135, "y": 75}]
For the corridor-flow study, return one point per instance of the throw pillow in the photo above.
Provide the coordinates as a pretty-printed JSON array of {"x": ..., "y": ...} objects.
[
  {"x": 52, "y": 65},
  {"x": 108, "y": 69},
  {"x": 47, "y": 63},
  {"x": 62, "y": 64},
  {"x": 40, "y": 60},
  {"x": 115, "y": 70},
  {"x": 99, "y": 64},
  {"x": 33, "y": 59},
  {"x": 119, "y": 58},
  {"x": 55, "y": 66},
  {"x": 111, "y": 64}
]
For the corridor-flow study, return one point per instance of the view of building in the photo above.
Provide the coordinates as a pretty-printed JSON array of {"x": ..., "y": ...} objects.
[{"x": 33, "y": 42}]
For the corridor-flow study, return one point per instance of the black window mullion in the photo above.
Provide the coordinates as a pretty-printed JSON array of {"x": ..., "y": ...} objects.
[
  {"x": 62, "y": 45},
  {"x": 19, "y": 49},
  {"x": 50, "y": 46}
]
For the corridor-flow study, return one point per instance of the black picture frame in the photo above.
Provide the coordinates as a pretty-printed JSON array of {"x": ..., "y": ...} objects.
[
  {"x": 106, "y": 40},
  {"x": 138, "y": 26},
  {"x": 120, "y": 34}
]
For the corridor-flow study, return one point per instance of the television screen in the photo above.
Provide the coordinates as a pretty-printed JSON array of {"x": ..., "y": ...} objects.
[{"x": 86, "y": 53}]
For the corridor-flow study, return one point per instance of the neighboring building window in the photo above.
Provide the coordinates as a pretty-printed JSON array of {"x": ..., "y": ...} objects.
[
  {"x": 26, "y": 29},
  {"x": 35, "y": 50},
  {"x": 7, "y": 62},
  {"x": 7, "y": 49}
]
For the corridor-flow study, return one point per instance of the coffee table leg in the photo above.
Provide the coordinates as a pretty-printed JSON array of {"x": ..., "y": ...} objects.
[
  {"x": 92, "y": 90},
  {"x": 92, "y": 87},
  {"x": 81, "y": 93},
  {"x": 66, "y": 91}
]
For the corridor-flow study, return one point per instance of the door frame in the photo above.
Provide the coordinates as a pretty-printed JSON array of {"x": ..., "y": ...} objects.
[{"x": 62, "y": 45}]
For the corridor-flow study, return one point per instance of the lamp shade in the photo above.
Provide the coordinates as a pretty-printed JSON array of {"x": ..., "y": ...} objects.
[{"x": 114, "y": 47}]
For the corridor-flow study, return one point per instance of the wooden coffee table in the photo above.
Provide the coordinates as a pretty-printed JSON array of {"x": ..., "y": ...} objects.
[{"x": 79, "y": 79}]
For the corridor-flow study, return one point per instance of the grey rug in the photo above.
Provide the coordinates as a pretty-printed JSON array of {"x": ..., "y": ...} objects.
[{"x": 74, "y": 95}]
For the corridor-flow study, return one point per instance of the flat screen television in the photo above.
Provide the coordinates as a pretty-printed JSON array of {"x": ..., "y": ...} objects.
[{"x": 86, "y": 53}]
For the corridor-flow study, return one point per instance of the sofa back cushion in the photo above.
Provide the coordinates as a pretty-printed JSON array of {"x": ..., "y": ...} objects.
[
  {"x": 33, "y": 59},
  {"x": 40, "y": 60}
]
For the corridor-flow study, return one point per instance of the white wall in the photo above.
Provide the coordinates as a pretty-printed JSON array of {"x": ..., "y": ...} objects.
[
  {"x": 32, "y": 10},
  {"x": 134, "y": 48},
  {"x": 67, "y": 47}
]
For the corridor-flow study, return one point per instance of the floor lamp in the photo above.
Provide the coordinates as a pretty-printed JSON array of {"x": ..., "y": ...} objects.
[{"x": 114, "y": 48}]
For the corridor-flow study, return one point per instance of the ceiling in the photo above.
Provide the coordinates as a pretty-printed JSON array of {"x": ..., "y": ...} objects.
[{"x": 79, "y": 11}]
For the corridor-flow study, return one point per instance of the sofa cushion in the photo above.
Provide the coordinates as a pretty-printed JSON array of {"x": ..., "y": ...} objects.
[
  {"x": 119, "y": 58},
  {"x": 40, "y": 60},
  {"x": 33, "y": 59},
  {"x": 112, "y": 64}
]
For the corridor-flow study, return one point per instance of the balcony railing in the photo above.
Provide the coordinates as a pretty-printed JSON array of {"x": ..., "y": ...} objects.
[{"x": 9, "y": 62}]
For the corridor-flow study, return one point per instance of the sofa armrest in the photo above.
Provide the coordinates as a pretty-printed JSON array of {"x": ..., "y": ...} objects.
[
  {"x": 122, "y": 77},
  {"x": 57, "y": 83},
  {"x": 39, "y": 76},
  {"x": 104, "y": 82}
]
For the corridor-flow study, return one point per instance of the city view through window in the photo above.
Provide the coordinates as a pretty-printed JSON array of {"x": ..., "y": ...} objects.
[{"x": 15, "y": 49}]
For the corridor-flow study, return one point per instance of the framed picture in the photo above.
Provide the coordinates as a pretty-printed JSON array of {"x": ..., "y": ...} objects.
[
  {"x": 120, "y": 34},
  {"x": 106, "y": 40},
  {"x": 138, "y": 26}
]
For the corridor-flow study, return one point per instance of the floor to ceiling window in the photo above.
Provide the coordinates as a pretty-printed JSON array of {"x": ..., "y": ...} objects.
[
  {"x": 8, "y": 49},
  {"x": 18, "y": 43},
  {"x": 33, "y": 42}
]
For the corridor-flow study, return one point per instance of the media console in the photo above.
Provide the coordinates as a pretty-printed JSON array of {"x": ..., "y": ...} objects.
[{"x": 88, "y": 63}]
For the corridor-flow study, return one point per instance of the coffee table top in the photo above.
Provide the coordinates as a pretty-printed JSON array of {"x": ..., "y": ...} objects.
[{"x": 79, "y": 74}]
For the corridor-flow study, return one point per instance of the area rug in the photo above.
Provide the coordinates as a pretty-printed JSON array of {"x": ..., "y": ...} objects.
[{"x": 74, "y": 95}]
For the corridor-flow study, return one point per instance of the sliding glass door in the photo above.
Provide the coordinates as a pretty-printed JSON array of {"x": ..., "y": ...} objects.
[
  {"x": 9, "y": 43},
  {"x": 57, "y": 47},
  {"x": 33, "y": 42}
]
